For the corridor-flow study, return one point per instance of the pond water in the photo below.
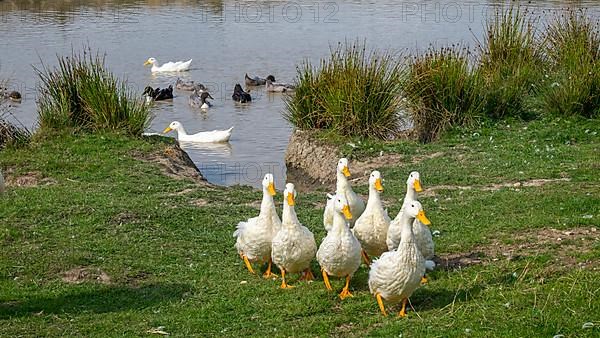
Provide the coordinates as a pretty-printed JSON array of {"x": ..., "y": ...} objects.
[{"x": 225, "y": 39}]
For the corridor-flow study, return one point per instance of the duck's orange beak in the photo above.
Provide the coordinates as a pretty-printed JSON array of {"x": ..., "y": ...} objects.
[
  {"x": 417, "y": 186},
  {"x": 421, "y": 217},
  {"x": 346, "y": 171},
  {"x": 347, "y": 213},
  {"x": 290, "y": 199},
  {"x": 378, "y": 185},
  {"x": 271, "y": 189},
  {"x": 147, "y": 63},
  {"x": 168, "y": 129}
]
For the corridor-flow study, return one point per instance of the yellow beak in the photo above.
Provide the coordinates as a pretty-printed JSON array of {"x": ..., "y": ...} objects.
[
  {"x": 421, "y": 217},
  {"x": 347, "y": 213},
  {"x": 147, "y": 63},
  {"x": 346, "y": 172},
  {"x": 378, "y": 185},
  {"x": 417, "y": 186},
  {"x": 168, "y": 129},
  {"x": 271, "y": 189},
  {"x": 290, "y": 199}
]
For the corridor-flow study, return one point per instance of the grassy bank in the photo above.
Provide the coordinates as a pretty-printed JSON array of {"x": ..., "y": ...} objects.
[{"x": 167, "y": 254}]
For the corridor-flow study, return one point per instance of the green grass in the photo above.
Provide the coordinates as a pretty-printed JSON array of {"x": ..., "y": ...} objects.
[
  {"x": 353, "y": 92},
  {"x": 81, "y": 94},
  {"x": 173, "y": 263}
]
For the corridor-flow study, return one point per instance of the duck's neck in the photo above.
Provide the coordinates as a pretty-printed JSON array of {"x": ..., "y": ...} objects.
[
  {"x": 341, "y": 183},
  {"x": 411, "y": 194},
  {"x": 339, "y": 223},
  {"x": 266, "y": 206},
  {"x": 181, "y": 130},
  {"x": 406, "y": 232},
  {"x": 374, "y": 197},
  {"x": 289, "y": 217}
]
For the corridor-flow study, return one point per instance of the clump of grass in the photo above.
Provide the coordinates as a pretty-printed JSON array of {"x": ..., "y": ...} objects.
[
  {"x": 441, "y": 91},
  {"x": 511, "y": 62},
  {"x": 573, "y": 49},
  {"x": 353, "y": 93},
  {"x": 10, "y": 134},
  {"x": 81, "y": 94}
]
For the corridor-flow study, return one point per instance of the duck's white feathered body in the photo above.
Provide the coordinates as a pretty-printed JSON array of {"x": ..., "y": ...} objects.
[
  {"x": 397, "y": 274},
  {"x": 179, "y": 66},
  {"x": 254, "y": 237},
  {"x": 339, "y": 253},
  {"x": 371, "y": 227},
  {"x": 356, "y": 204},
  {"x": 215, "y": 136},
  {"x": 294, "y": 245}
]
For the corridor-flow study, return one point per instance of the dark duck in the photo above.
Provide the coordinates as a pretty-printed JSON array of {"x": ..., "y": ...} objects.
[
  {"x": 158, "y": 94},
  {"x": 239, "y": 95}
]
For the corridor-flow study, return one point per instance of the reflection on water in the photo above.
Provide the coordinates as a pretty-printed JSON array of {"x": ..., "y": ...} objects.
[{"x": 225, "y": 39}]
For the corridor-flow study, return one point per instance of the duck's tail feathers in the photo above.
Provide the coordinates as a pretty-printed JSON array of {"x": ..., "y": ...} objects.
[
  {"x": 429, "y": 265},
  {"x": 230, "y": 129},
  {"x": 239, "y": 229}
]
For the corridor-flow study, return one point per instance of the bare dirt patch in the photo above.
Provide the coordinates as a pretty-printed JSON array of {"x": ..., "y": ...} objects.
[
  {"x": 174, "y": 162},
  {"x": 125, "y": 217},
  {"x": 421, "y": 158},
  {"x": 562, "y": 245},
  {"x": 86, "y": 274},
  {"x": 30, "y": 179},
  {"x": 200, "y": 202},
  {"x": 432, "y": 191}
]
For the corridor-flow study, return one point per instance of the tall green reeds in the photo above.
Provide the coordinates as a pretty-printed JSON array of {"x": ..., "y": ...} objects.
[
  {"x": 511, "y": 62},
  {"x": 572, "y": 86},
  {"x": 353, "y": 93},
  {"x": 442, "y": 91},
  {"x": 520, "y": 69},
  {"x": 81, "y": 94}
]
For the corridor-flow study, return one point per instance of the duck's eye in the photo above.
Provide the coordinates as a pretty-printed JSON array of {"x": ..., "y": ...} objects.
[{"x": 412, "y": 205}]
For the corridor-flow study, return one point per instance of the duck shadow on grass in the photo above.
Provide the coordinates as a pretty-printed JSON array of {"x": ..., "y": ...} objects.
[{"x": 93, "y": 298}]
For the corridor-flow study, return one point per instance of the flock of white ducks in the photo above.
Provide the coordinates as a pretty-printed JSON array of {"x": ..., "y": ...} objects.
[{"x": 404, "y": 245}]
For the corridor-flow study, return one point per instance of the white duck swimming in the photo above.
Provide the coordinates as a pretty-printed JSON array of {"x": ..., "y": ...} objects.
[
  {"x": 371, "y": 227},
  {"x": 294, "y": 245},
  {"x": 215, "y": 136},
  {"x": 397, "y": 273},
  {"x": 179, "y": 66},
  {"x": 421, "y": 232},
  {"x": 254, "y": 237},
  {"x": 339, "y": 253},
  {"x": 342, "y": 186}
]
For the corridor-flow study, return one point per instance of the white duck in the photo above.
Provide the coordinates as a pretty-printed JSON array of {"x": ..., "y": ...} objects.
[
  {"x": 339, "y": 253},
  {"x": 294, "y": 245},
  {"x": 179, "y": 66},
  {"x": 215, "y": 136},
  {"x": 421, "y": 232},
  {"x": 254, "y": 237},
  {"x": 371, "y": 227},
  {"x": 397, "y": 273},
  {"x": 342, "y": 186}
]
